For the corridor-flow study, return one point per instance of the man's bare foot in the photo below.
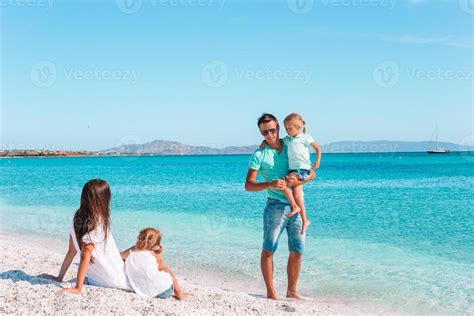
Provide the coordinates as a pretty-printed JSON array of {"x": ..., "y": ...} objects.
[
  {"x": 305, "y": 226},
  {"x": 272, "y": 295},
  {"x": 181, "y": 295},
  {"x": 295, "y": 209},
  {"x": 293, "y": 296}
]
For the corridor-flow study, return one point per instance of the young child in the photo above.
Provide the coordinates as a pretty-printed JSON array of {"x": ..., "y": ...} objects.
[
  {"x": 145, "y": 269},
  {"x": 299, "y": 163}
]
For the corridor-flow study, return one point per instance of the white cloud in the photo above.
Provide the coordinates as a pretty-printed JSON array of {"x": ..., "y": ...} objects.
[
  {"x": 412, "y": 39},
  {"x": 416, "y": 39}
]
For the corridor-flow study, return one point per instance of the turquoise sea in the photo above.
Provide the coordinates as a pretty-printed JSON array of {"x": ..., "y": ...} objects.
[{"x": 390, "y": 229}]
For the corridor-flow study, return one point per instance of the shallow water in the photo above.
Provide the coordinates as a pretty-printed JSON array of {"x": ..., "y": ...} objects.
[{"x": 392, "y": 229}]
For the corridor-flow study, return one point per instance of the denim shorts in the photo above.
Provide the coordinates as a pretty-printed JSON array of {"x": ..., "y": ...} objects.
[
  {"x": 275, "y": 221},
  {"x": 302, "y": 174},
  {"x": 166, "y": 294}
]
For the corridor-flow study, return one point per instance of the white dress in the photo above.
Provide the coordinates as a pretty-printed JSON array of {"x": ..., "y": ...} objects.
[
  {"x": 143, "y": 274},
  {"x": 108, "y": 269}
]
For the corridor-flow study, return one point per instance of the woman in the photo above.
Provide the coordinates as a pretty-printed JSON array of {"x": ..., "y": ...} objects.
[{"x": 100, "y": 263}]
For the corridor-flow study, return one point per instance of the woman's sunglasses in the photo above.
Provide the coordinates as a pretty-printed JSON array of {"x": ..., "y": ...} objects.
[{"x": 267, "y": 131}]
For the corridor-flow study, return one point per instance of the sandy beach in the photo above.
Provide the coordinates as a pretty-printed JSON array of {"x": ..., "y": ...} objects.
[{"x": 25, "y": 257}]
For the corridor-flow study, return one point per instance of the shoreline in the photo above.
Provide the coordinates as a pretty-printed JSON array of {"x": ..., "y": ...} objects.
[
  {"x": 460, "y": 152},
  {"x": 24, "y": 292}
]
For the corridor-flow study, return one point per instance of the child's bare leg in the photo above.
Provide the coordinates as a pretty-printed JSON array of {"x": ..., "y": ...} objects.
[
  {"x": 298, "y": 195},
  {"x": 180, "y": 295},
  {"x": 294, "y": 207}
]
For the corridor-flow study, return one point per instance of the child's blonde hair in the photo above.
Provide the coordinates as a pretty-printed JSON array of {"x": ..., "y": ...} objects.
[
  {"x": 148, "y": 239},
  {"x": 296, "y": 120}
]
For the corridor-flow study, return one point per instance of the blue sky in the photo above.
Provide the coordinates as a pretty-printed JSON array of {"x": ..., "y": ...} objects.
[{"x": 88, "y": 75}]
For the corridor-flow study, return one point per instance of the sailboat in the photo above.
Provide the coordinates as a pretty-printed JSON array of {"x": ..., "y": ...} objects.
[{"x": 437, "y": 150}]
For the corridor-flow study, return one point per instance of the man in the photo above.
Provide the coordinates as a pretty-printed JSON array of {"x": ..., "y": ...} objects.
[{"x": 272, "y": 163}]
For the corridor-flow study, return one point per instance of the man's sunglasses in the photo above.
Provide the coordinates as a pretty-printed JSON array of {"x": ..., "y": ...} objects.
[{"x": 267, "y": 131}]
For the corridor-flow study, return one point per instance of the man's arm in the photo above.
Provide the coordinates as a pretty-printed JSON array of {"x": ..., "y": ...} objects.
[
  {"x": 252, "y": 185},
  {"x": 293, "y": 181}
]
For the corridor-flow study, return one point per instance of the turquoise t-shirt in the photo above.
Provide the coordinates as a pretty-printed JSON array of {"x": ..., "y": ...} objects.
[{"x": 272, "y": 165}]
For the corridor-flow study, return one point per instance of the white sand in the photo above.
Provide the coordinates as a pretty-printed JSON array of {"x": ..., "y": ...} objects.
[{"x": 25, "y": 257}]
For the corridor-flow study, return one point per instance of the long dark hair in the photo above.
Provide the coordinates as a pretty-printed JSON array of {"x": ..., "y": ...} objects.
[{"x": 94, "y": 209}]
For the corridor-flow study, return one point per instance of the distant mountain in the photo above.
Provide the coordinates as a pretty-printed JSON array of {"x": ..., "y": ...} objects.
[{"x": 164, "y": 148}]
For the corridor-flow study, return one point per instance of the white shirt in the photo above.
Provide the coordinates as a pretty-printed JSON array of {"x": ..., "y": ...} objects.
[
  {"x": 298, "y": 151},
  {"x": 143, "y": 274},
  {"x": 108, "y": 269}
]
